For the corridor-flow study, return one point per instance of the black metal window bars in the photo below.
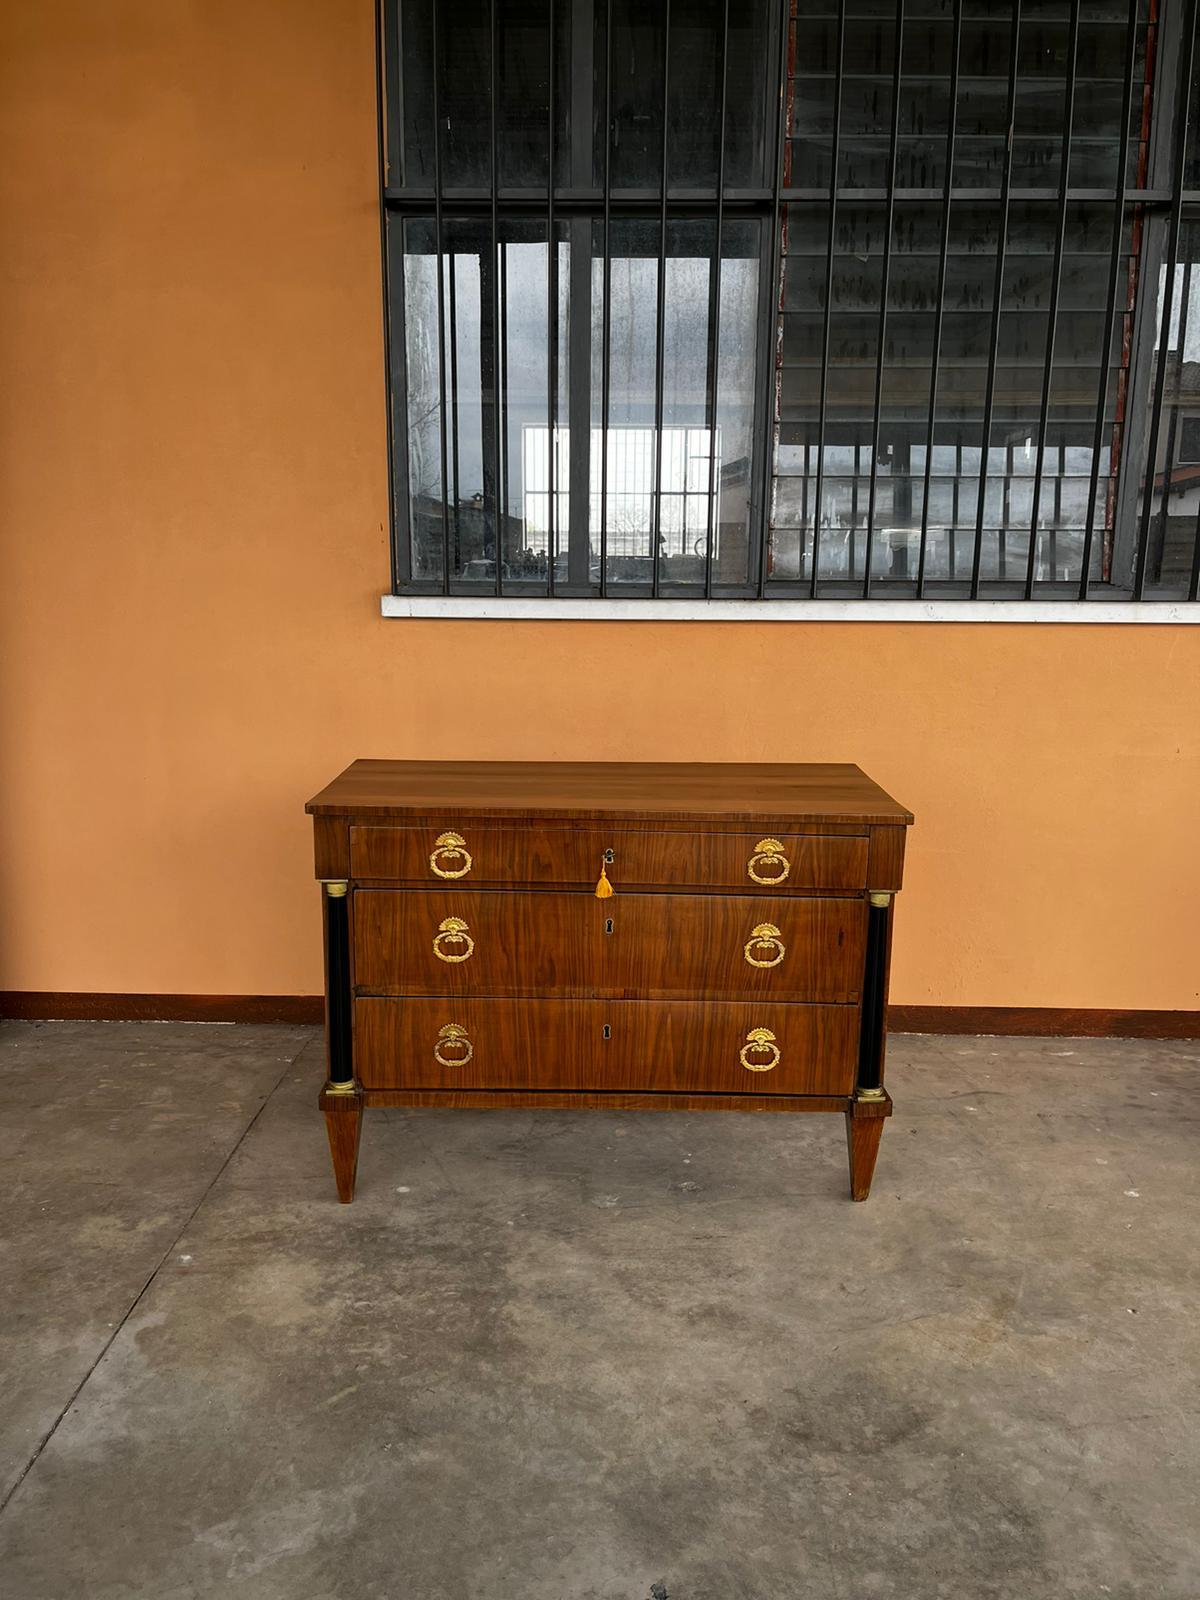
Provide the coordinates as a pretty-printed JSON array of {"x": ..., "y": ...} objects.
[{"x": 802, "y": 298}]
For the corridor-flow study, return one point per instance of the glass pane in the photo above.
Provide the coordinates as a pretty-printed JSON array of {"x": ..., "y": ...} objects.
[
  {"x": 629, "y": 447},
  {"x": 637, "y": 61},
  {"x": 523, "y": 121},
  {"x": 1191, "y": 162},
  {"x": 692, "y": 485},
  {"x": 410, "y": 95},
  {"x": 1172, "y": 485},
  {"x": 536, "y": 483},
  {"x": 423, "y": 394},
  {"x": 749, "y": 123},
  {"x": 982, "y": 117},
  {"x": 698, "y": 73},
  {"x": 464, "y": 82},
  {"x": 694, "y": 96},
  {"x": 464, "y": 87},
  {"x": 893, "y": 345},
  {"x": 488, "y": 457},
  {"x": 459, "y": 518},
  {"x": 837, "y": 355},
  {"x": 737, "y": 382}
]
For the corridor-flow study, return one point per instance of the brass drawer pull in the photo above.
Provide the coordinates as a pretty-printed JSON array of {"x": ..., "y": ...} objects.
[
  {"x": 453, "y": 1037},
  {"x": 768, "y": 853},
  {"x": 452, "y": 931},
  {"x": 451, "y": 847},
  {"x": 765, "y": 937},
  {"x": 760, "y": 1042}
]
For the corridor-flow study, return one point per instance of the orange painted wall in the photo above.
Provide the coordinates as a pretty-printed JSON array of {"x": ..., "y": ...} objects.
[{"x": 192, "y": 502}]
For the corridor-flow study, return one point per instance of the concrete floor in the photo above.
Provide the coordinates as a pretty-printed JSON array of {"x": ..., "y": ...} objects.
[{"x": 557, "y": 1357}]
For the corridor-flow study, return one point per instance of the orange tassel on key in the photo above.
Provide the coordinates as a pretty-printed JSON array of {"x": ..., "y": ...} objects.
[{"x": 604, "y": 889}]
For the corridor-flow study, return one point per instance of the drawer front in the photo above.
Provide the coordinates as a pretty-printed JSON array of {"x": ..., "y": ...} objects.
[
  {"x": 722, "y": 1048},
  {"x": 753, "y": 862},
  {"x": 647, "y": 946}
]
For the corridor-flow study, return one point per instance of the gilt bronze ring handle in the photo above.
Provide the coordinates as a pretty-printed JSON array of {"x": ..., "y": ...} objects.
[
  {"x": 765, "y": 938},
  {"x": 452, "y": 931},
  {"x": 768, "y": 853},
  {"x": 760, "y": 1042},
  {"x": 453, "y": 1037},
  {"x": 450, "y": 847}
]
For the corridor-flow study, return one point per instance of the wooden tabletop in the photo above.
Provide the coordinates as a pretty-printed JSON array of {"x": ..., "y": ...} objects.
[{"x": 696, "y": 791}]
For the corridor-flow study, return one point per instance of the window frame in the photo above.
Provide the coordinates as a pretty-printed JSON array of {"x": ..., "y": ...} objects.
[{"x": 1164, "y": 206}]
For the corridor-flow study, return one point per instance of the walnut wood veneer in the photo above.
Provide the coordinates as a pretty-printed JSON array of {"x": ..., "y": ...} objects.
[{"x": 736, "y": 958}]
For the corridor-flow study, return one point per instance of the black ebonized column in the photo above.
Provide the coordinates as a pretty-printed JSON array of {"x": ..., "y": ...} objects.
[
  {"x": 870, "y": 1040},
  {"x": 337, "y": 982}
]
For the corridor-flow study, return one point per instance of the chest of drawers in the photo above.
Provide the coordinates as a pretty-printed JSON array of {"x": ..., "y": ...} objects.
[{"x": 617, "y": 936}]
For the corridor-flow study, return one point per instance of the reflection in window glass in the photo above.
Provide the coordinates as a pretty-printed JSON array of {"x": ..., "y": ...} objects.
[
  {"x": 613, "y": 441},
  {"x": 945, "y": 360},
  {"x": 706, "y": 298},
  {"x": 690, "y": 456},
  {"x": 1169, "y": 495}
]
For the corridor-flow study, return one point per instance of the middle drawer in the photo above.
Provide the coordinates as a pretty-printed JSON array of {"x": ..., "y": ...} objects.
[{"x": 652, "y": 946}]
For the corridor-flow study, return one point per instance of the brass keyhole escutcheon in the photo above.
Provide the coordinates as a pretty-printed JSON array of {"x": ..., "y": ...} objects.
[
  {"x": 760, "y": 1042},
  {"x": 608, "y": 924},
  {"x": 450, "y": 858},
  {"x": 452, "y": 932},
  {"x": 453, "y": 1038},
  {"x": 768, "y": 864},
  {"x": 764, "y": 947}
]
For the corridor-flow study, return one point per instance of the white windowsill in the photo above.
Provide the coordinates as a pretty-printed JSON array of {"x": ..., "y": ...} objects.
[{"x": 541, "y": 610}]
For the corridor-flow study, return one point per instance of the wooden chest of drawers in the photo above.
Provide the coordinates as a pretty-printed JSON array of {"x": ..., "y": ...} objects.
[{"x": 699, "y": 937}]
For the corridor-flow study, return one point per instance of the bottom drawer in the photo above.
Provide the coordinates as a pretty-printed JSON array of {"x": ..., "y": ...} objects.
[{"x": 719, "y": 1047}]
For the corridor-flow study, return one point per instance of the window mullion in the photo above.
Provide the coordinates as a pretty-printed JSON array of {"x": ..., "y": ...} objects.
[
  {"x": 579, "y": 402},
  {"x": 439, "y": 257},
  {"x": 1055, "y": 291},
  {"x": 660, "y": 314},
  {"x": 771, "y": 258},
  {"x": 1110, "y": 315},
  {"x": 490, "y": 374},
  {"x": 831, "y": 252},
  {"x": 1150, "y": 459},
  {"x": 881, "y": 339},
  {"x": 552, "y": 297},
  {"x": 579, "y": 302},
  {"x": 940, "y": 302},
  {"x": 606, "y": 305},
  {"x": 997, "y": 302},
  {"x": 714, "y": 319}
]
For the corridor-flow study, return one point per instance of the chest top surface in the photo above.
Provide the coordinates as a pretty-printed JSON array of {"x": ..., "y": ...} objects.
[{"x": 699, "y": 791}]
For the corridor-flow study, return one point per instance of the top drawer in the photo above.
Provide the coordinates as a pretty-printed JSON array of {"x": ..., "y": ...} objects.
[{"x": 778, "y": 863}]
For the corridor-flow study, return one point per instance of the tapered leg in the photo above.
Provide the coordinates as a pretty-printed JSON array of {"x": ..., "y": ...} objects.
[
  {"x": 343, "y": 1123},
  {"x": 865, "y": 1117}
]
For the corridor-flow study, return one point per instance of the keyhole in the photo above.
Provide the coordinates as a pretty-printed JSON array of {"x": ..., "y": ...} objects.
[
  {"x": 609, "y": 858},
  {"x": 607, "y": 1031},
  {"x": 608, "y": 924}
]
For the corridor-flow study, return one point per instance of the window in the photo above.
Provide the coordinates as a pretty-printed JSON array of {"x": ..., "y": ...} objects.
[{"x": 742, "y": 299}]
